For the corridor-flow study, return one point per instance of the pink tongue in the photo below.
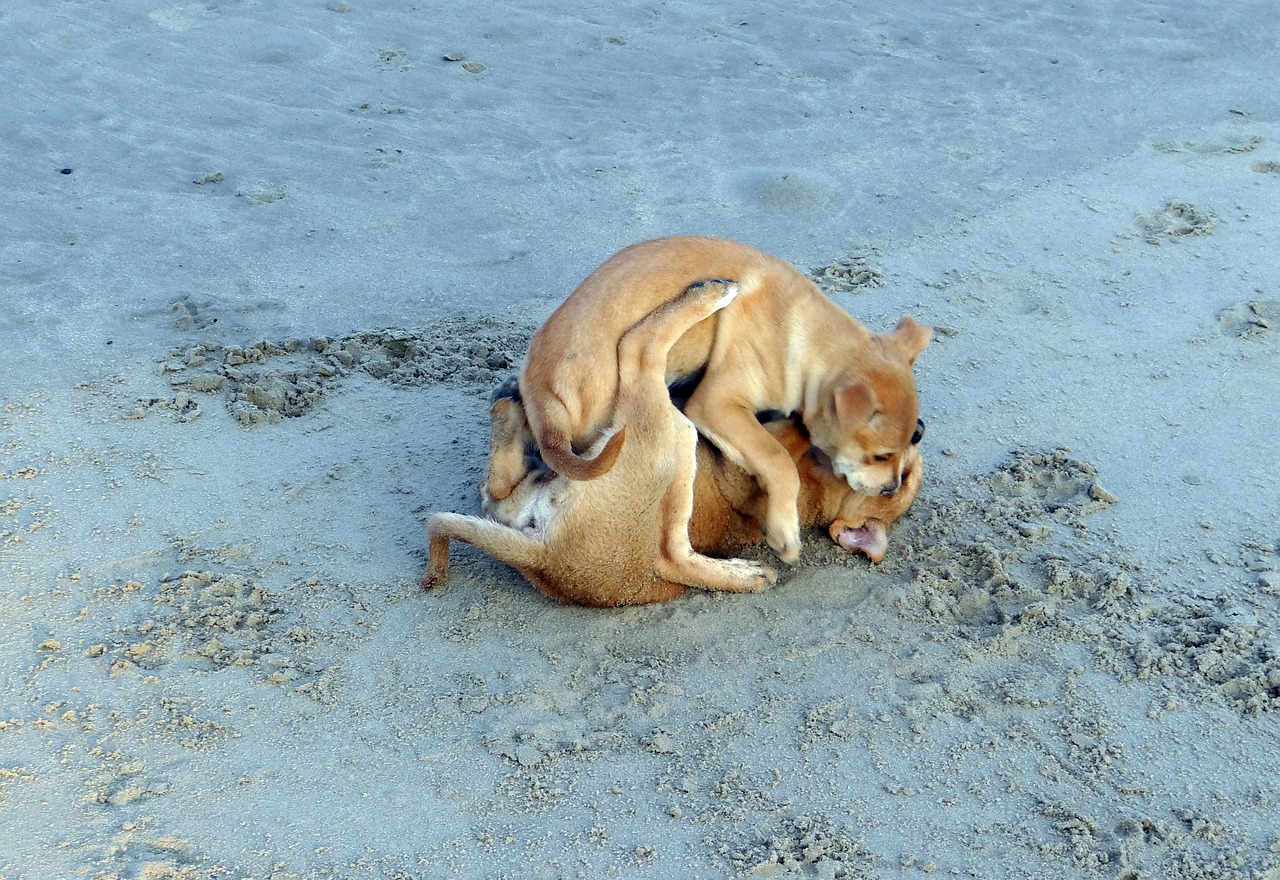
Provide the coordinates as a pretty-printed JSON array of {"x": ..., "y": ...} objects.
[{"x": 871, "y": 539}]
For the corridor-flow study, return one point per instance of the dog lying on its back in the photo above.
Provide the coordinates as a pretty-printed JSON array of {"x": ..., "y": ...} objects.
[
  {"x": 591, "y": 543},
  {"x": 727, "y": 509}
]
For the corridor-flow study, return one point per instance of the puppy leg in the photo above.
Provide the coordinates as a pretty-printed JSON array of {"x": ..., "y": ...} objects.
[
  {"x": 510, "y": 442},
  {"x": 677, "y": 560},
  {"x": 509, "y": 438},
  {"x": 745, "y": 442},
  {"x": 437, "y": 554},
  {"x": 499, "y": 541},
  {"x": 643, "y": 350},
  {"x": 642, "y": 355}
]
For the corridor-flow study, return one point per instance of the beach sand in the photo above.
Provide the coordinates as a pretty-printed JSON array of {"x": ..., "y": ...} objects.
[{"x": 262, "y": 262}]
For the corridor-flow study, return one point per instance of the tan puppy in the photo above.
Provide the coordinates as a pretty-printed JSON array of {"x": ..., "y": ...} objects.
[
  {"x": 554, "y": 533},
  {"x": 781, "y": 345},
  {"x": 727, "y": 508}
]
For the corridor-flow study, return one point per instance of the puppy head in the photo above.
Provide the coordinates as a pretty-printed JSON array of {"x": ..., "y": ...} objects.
[{"x": 872, "y": 418}]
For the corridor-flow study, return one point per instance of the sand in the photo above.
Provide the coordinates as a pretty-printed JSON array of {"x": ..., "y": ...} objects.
[{"x": 261, "y": 264}]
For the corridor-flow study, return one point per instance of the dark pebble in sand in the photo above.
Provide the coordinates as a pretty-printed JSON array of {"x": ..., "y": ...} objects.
[{"x": 65, "y": 170}]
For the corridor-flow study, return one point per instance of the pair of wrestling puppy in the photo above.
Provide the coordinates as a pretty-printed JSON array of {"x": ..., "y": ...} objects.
[{"x": 627, "y": 519}]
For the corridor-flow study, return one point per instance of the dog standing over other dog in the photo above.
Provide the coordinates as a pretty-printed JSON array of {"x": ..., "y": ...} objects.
[{"x": 780, "y": 346}]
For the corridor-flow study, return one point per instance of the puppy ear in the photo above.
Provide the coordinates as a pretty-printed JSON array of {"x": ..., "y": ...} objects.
[
  {"x": 910, "y": 338},
  {"x": 854, "y": 405}
]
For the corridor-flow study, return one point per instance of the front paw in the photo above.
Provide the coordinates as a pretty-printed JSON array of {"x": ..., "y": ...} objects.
[
  {"x": 433, "y": 577},
  {"x": 785, "y": 542}
]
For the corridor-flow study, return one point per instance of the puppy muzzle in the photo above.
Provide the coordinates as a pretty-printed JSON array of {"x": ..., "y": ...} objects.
[{"x": 857, "y": 484}]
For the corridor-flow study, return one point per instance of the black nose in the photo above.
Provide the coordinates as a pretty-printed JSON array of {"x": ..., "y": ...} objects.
[
  {"x": 891, "y": 490},
  {"x": 919, "y": 434}
]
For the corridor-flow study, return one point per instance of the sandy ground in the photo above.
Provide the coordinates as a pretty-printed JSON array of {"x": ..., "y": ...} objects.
[{"x": 262, "y": 262}]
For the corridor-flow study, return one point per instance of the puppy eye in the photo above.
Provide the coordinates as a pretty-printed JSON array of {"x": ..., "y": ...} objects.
[
  {"x": 919, "y": 434},
  {"x": 882, "y": 458}
]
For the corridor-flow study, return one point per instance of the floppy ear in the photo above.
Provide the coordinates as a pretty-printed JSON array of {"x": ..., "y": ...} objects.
[
  {"x": 910, "y": 338},
  {"x": 854, "y": 405}
]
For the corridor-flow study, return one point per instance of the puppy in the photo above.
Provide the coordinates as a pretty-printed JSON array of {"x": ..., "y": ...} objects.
[
  {"x": 727, "y": 508},
  {"x": 781, "y": 345},
  {"x": 553, "y": 526}
]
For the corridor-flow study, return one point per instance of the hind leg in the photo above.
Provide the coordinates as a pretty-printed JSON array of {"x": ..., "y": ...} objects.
[
  {"x": 642, "y": 354},
  {"x": 499, "y": 541},
  {"x": 677, "y": 561},
  {"x": 509, "y": 442},
  {"x": 642, "y": 350},
  {"x": 437, "y": 554}
]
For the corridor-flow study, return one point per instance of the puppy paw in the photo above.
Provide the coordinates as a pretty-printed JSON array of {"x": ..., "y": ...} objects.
[
  {"x": 727, "y": 290},
  {"x": 787, "y": 547},
  {"x": 752, "y": 577},
  {"x": 432, "y": 579},
  {"x": 765, "y": 579}
]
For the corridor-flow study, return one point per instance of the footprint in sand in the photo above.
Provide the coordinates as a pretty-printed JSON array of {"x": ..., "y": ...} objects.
[
  {"x": 847, "y": 275},
  {"x": 263, "y": 193},
  {"x": 1174, "y": 222},
  {"x": 1251, "y": 320}
]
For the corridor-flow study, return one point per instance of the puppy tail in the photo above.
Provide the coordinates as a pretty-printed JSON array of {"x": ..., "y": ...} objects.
[
  {"x": 499, "y": 541},
  {"x": 557, "y": 452}
]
